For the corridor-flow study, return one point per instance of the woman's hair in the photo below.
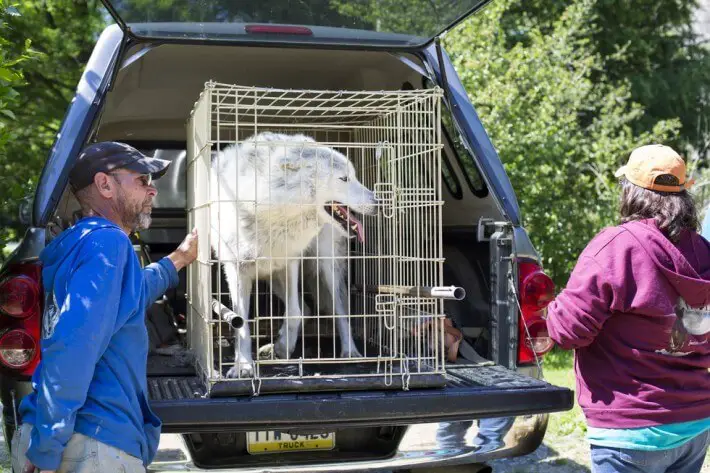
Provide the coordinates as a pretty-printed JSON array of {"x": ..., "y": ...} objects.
[{"x": 672, "y": 211}]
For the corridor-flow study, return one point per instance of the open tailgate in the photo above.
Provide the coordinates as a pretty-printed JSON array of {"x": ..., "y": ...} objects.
[{"x": 472, "y": 392}]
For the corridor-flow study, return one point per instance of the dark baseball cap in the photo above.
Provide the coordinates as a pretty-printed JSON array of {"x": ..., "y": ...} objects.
[{"x": 108, "y": 156}]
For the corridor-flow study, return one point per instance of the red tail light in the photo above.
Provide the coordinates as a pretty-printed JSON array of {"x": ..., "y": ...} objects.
[
  {"x": 278, "y": 29},
  {"x": 536, "y": 291},
  {"x": 20, "y": 314},
  {"x": 19, "y": 296}
]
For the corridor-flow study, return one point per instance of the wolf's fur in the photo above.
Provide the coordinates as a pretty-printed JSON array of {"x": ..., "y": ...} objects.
[
  {"x": 696, "y": 320},
  {"x": 272, "y": 191}
]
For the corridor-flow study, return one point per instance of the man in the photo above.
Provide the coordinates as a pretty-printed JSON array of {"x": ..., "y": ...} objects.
[
  {"x": 637, "y": 310},
  {"x": 89, "y": 411}
]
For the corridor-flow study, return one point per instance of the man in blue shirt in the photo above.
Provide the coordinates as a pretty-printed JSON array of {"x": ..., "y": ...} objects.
[
  {"x": 705, "y": 230},
  {"x": 89, "y": 410}
]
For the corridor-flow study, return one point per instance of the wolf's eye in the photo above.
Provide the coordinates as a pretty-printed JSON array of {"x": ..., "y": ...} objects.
[{"x": 345, "y": 178}]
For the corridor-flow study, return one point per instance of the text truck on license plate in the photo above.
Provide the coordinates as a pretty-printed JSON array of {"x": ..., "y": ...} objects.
[{"x": 270, "y": 442}]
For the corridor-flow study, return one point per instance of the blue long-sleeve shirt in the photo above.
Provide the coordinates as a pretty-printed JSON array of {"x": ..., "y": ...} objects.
[{"x": 94, "y": 347}]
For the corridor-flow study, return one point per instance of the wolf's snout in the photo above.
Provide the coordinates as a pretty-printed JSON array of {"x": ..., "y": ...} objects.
[
  {"x": 370, "y": 209},
  {"x": 368, "y": 205}
]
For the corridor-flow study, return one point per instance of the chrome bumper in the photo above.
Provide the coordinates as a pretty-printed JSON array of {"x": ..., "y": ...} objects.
[{"x": 427, "y": 445}]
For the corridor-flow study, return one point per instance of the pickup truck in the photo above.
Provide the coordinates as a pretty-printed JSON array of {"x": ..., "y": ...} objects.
[{"x": 139, "y": 86}]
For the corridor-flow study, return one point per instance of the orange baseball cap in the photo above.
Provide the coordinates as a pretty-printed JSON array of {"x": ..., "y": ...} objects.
[{"x": 648, "y": 162}]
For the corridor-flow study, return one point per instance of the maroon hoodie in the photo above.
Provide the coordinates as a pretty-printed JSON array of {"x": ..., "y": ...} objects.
[{"x": 636, "y": 310}]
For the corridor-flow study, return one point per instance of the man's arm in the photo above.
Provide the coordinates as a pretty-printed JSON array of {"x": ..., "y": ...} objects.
[
  {"x": 163, "y": 275},
  {"x": 85, "y": 325},
  {"x": 158, "y": 278}
]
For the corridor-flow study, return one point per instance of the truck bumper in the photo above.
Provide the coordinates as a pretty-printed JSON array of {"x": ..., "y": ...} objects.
[{"x": 423, "y": 445}]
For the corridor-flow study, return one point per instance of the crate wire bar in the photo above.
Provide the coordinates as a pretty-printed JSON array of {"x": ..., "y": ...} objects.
[{"x": 393, "y": 140}]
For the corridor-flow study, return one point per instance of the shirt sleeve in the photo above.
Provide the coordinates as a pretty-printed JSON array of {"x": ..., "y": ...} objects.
[
  {"x": 578, "y": 313},
  {"x": 158, "y": 278},
  {"x": 86, "y": 322}
]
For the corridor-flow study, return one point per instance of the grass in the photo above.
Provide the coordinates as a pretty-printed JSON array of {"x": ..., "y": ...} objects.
[
  {"x": 566, "y": 431},
  {"x": 559, "y": 370},
  {"x": 564, "y": 449}
]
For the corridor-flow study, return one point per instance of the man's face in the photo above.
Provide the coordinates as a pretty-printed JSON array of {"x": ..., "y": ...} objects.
[{"x": 134, "y": 198}]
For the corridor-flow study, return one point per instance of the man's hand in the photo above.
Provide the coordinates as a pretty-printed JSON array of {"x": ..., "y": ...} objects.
[{"x": 186, "y": 253}]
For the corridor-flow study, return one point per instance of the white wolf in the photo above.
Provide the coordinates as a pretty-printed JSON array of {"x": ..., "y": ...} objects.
[{"x": 282, "y": 197}]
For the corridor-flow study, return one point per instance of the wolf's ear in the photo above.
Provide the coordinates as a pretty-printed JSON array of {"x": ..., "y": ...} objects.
[{"x": 680, "y": 308}]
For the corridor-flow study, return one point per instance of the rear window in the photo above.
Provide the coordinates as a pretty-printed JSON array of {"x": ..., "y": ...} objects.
[
  {"x": 450, "y": 179},
  {"x": 394, "y": 22},
  {"x": 465, "y": 159}
]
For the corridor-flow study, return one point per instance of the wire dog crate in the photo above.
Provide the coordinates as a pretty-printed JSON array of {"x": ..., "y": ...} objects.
[{"x": 319, "y": 215}]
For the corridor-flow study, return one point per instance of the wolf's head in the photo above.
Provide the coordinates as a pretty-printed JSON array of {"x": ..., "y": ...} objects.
[
  {"x": 344, "y": 196},
  {"x": 322, "y": 177}
]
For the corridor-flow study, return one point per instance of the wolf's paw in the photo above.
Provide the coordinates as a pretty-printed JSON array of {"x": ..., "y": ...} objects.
[
  {"x": 243, "y": 368},
  {"x": 353, "y": 352},
  {"x": 266, "y": 352}
]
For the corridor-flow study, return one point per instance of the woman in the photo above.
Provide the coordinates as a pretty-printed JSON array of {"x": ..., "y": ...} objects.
[{"x": 636, "y": 311}]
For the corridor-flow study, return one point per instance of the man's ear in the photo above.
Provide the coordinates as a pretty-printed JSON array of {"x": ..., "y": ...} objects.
[{"x": 104, "y": 184}]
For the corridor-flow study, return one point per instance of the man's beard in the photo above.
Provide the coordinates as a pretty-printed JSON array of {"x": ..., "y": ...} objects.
[{"x": 133, "y": 216}]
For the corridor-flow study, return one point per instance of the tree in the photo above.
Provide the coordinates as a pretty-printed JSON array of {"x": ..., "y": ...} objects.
[
  {"x": 422, "y": 18},
  {"x": 560, "y": 124},
  {"x": 12, "y": 58},
  {"x": 62, "y": 34},
  {"x": 648, "y": 44}
]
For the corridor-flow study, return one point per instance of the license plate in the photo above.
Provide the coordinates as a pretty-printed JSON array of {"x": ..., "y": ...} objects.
[{"x": 272, "y": 442}]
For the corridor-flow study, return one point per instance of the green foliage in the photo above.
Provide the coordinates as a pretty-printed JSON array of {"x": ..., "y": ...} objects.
[
  {"x": 62, "y": 34},
  {"x": 12, "y": 58},
  {"x": 406, "y": 16},
  {"x": 702, "y": 191},
  {"x": 561, "y": 126},
  {"x": 566, "y": 430},
  {"x": 650, "y": 45}
]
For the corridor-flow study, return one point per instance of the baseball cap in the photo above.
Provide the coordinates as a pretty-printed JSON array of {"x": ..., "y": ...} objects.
[
  {"x": 107, "y": 156},
  {"x": 648, "y": 162}
]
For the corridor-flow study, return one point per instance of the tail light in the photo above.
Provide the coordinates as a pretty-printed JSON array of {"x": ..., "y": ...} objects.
[
  {"x": 19, "y": 296},
  {"x": 20, "y": 313},
  {"x": 278, "y": 29},
  {"x": 536, "y": 291},
  {"x": 17, "y": 349}
]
